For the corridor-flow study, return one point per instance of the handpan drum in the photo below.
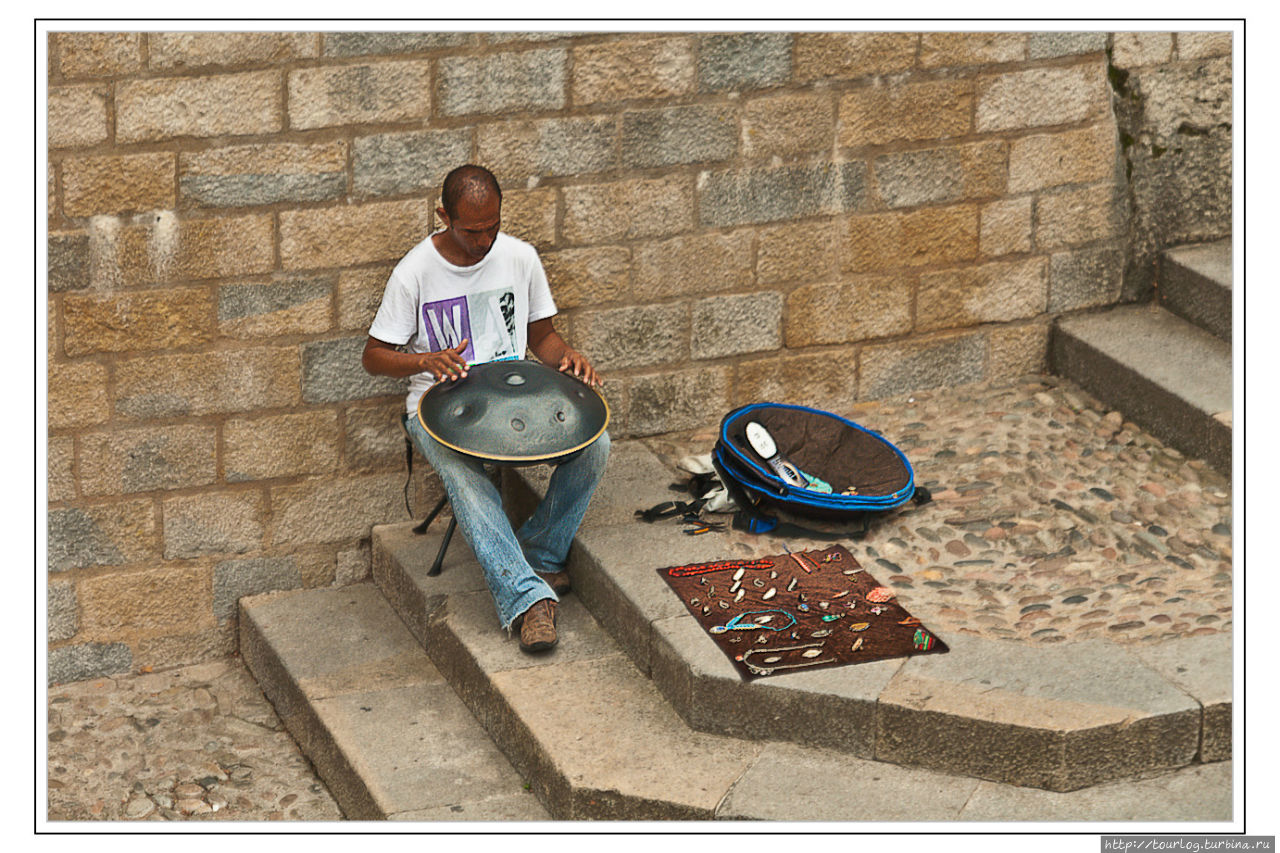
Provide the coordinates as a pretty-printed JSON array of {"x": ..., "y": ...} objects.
[{"x": 515, "y": 412}]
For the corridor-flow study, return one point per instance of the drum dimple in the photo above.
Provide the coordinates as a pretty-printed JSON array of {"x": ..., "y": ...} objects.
[
  {"x": 514, "y": 379},
  {"x": 517, "y": 425}
]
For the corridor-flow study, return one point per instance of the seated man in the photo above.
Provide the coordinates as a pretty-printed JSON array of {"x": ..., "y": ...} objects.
[{"x": 469, "y": 294}]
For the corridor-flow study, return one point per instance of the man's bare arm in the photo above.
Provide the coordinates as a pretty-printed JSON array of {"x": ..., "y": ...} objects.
[
  {"x": 551, "y": 349},
  {"x": 383, "y": 359}
]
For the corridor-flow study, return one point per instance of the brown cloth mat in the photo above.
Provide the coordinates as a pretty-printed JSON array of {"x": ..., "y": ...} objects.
[{"x": 799, "y": 611}]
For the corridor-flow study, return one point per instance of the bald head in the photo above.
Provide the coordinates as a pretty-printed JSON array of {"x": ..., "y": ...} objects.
[{"x": 474, "y": 183}]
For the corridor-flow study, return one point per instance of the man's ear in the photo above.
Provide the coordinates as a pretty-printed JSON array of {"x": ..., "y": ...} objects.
[{"x": 442, "y": 216}]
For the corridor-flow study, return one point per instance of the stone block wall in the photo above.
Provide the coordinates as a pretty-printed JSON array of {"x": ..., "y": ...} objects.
[{"x": 724, "y": 217}]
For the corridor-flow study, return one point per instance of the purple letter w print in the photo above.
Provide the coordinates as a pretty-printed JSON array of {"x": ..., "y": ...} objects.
[{"x": 448, "y": 322}]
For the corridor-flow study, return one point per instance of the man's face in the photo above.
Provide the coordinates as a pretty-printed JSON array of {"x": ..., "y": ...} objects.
[{"x": 475, "y": 226}]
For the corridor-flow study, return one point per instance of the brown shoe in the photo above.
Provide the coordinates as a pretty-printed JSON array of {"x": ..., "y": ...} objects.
[
  {"x": 558, "y": 581},
  {"x": 538, "y": 627}
]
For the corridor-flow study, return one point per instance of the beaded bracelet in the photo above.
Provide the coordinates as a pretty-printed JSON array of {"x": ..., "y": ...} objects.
[{"x": 704, "y": 568}]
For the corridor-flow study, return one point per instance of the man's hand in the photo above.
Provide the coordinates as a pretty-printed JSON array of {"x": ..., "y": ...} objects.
[
  {"x": 573, "y": 362},
  {"x": 445, "y": 364}
]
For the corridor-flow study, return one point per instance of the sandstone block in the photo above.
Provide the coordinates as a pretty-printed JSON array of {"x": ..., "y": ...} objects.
[
  {"x": 88, "y": 660},
  {"x": 1167, "y": 109},
  {"x": 220, "y": 105},
  {"x": 635, "y": 336},
  {"x": 1042, "y": 96},
  {"x": 141, "y": 320},
  {"x": 943, "y": 50},
  {"x": 195, "y": 384},
  {"x": 1203, "y": 45},
  {"x": 633, "y": 68},
  {"x": 531, "y": 216},
  {"x": 169, "y": 248},
  {"x": 364, "y": 44},
  {"x": 707, "y": 263},
  {"x": 743, "y": 61},
  {"x": 536, "y": 149},
  {"x": 373, "y": 439},
  {"x": 201, "y": 646},
  {"x": 786, "y": 125},
  {"x": 550, "y": 35},
  {"x": 1049, "y": 45},
  {"x": 212, "y": 524},
  {"x": 1074, "y": 217},
  {"x": 846, "y": 55},
  {"x": 1005, "y": 227},
  {"x": 63, "y": 622},
  {"x": 1084, "y": 278},
  {"x": 280, "y": 446},
  {"x": 395, "y": 163},
  {"x": 1014, "y": 351},
  {"x": 733, "y": 325},
  {"x": 289, "y": 305},
  {"x": 1129, "y": 50},
  {"x": 234, "y": 579},
  {"x": 625, "y": 210},
  {"x": 692, "y": 134},
  {"x": 895, "y": 112},
  {"x": 168, "y": 51},
  {"x": 801, "y": 251},
  {"x": 77, "y": 394},
  {"x": 359, "y": 94},
  {"x": 128, "y": 184},
  {"x": 77, "y": 116},
  {"x": 746, "y": 196},
  {"x": 359, "y": 295},
  {"x": 990, "y": 293},
  {"x": 332, "y": 373},
  {"x": 97, "y": 54},
  {"x": 169, "y": 599},
  {"x": 826, "y": 380},
  {"x": 61, "y": 475},
  {"x": 334, "y": 510},
  {"x": 933, "y": 235},
  {"x": 1070, "y": 157},
  {"x": 244, "y": 175},
  {"x": 352, "y": 566},
  {"x": 588, "y": 276},
  {"x": 68, "y": 260},
  {"x": 352, "y": 234},
  {"x": 899, "y": 368},
  {"x": 503, "y": 82},
  {"x": 858, "y": 309},
  {"x": 936, "y": 175},
  {"x": 101, "y": 535},
  {"x": 677, "y": 400},
  {"x": 147, "y": 459}
]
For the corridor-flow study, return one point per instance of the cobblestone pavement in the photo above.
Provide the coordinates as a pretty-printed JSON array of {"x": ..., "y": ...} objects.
[
  {"x": 1052, "y": 518},
  {"x": 196, "y": 743}
]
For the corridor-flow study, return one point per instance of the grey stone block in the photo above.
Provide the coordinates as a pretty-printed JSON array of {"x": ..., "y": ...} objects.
[
  {"x": 395, "y": 163},
  {"x": 634, "y": 337},
  {"x": 68, "y": 261},
  {"x": 731, "y": 325},
  {"x": 902, "y": 368},
  {"x": 528, "y": 80},
  {"x": 76, "y": 539},
  {"x": 692, "y": 134},
  {"x": 212, "y": 524},
  {"x": 237, "y": 301},
  {"x": 1084, "y": 278},
  {"x": 1202, "y": 667},
  {"x": 363, "y": 44},
  {"x": 750, "y": 196},
  {"x": 88, "y": 660},
  {"x": 246, "y": 190},
  {"x": 1195, "y": 283},
  {"x": 669, "y": 402},
  {"x": 234, "y": 579},
  {"x": 332, "y": 373},
  {"x": 1049, "y": 45},
  {"x": 401, "y": 560},
  {"x": 63, "y": 622},
  {"x": 743, "y": 61}
]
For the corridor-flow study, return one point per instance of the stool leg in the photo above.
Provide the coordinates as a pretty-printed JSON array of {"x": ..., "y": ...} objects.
[
  {"x": 426, "y": 522},
  {"x": 444, "y": 546}
]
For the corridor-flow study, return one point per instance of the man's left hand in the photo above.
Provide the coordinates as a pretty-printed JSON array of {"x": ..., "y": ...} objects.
[{"x": 573, "y": 362}]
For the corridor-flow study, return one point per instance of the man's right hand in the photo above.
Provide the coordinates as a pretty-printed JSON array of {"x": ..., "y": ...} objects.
[{"x": 445, "y": 364}]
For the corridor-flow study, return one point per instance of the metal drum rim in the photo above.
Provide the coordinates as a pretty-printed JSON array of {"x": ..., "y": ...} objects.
[{"x": 494, "y": 457}]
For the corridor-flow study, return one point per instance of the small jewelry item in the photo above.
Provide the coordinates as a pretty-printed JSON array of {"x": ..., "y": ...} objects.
[
  {"x": 791, "y": 585},
  {"x": 857, "y": 644},
  {"x": 770, "y": 594},
  {"x": 910, "y": 620},
  {"x": 880, "y": 594}
]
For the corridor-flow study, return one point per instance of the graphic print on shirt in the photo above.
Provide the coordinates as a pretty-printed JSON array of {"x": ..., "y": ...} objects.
[{"x": 486, "y": 320}]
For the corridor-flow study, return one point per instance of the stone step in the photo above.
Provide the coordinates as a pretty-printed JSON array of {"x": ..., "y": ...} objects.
[
  {"x": 383, "y": 729},
  {"x": 1060, "y": 717},
  {"x": 1167, "y": 375},
  {"x": 597, "y": 739},
  {"x": 1196, "y": 283}
]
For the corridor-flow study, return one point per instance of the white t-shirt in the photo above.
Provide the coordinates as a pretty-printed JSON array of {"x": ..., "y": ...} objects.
[{"x": 431, "y": 305}]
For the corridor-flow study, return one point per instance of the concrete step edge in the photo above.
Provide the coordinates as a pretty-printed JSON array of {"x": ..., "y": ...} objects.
[{"x": 1195, "y": 282}]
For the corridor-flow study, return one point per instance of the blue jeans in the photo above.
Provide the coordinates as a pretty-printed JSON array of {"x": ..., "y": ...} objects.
[{"x": 510, "y": 558}]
